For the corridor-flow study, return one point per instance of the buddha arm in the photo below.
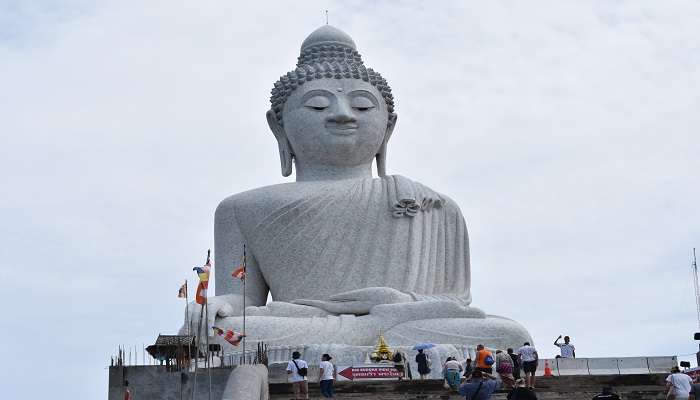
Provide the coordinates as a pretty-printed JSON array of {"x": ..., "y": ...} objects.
[
  {"x": 457, "y": 298},
  {"x": 228, "y": 246}
]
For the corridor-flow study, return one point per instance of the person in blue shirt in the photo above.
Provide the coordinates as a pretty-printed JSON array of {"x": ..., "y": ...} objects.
[{"x": 480, "y": 387}]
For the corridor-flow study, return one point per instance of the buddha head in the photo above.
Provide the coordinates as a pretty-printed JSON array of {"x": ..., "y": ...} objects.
[{"x": 331, "y": 111}]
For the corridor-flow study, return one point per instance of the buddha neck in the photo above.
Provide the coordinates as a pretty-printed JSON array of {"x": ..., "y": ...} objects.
[{"x": 315, "y": 172}]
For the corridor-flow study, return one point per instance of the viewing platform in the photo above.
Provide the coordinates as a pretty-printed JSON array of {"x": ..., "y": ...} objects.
[{"x": 160, "y": 382}]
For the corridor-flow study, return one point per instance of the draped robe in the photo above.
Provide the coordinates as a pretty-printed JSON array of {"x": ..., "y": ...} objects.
[{"x": 315, "y": 239}]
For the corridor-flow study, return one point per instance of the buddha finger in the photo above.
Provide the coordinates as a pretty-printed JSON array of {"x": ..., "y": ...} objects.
[
  {"x": 310, "y": 302},
  {"x": 340, "y": 307},
  {"x": 350, "y": 307},
  {"x": 375, "y": 295},
  {"x": 354, "y": 295}
]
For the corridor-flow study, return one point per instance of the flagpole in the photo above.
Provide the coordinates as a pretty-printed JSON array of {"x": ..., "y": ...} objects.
[
  {"x": 206, "y": 311},
  {"x": 197, "y": 345},
  {"x": 245, "y": 278},
  {"x": 187, "y": 321}
]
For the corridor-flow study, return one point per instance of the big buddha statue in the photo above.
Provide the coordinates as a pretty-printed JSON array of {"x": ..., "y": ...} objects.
[{"x": 344, "y": 254}]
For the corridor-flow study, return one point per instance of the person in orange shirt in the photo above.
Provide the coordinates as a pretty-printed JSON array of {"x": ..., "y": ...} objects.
[{"x": 484, "y": 360}]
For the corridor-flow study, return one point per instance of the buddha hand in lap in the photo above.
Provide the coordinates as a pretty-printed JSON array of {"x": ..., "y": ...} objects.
[{"x": 342, "y": 253}]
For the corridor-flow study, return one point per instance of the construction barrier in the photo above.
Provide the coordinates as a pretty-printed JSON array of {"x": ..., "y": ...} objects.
[
  {"x": 572, "y": 366},
  {"x": 633, "y": 365},
  {"x": 604, "y": 366},
  {"x": 608, "y": 366},
  {"x": 659, "y": 365}
]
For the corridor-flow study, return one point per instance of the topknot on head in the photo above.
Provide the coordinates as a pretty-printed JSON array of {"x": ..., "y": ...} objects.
[
  {"x": 327, "y": 52},
  {"x": 328, "y": 34},
  {"x": 328, "y": 44}
]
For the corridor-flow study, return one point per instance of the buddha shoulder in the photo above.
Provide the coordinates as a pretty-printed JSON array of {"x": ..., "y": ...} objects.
[
  {"x": 253, "y": 200},
  {"x": 255, "y": 204}
]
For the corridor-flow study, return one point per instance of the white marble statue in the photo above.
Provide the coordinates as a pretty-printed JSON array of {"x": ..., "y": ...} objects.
[{"x": 342, "y": 253}]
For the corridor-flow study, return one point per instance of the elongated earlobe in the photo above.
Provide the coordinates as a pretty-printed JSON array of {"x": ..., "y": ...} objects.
[
  {"x": 285, "y": 148},
  {"x": 381, "y": 154}
]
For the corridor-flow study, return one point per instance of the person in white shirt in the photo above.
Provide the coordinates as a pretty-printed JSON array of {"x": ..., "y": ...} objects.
[
  {"x": 297, "y": 369},
  {"x": 679, "y": 384},
  {"x": 528, "y": 359},
  {"x": 567, "y": 349},
  {"x": 326, "y": 375},
  {"x": 451, "y": 372}
]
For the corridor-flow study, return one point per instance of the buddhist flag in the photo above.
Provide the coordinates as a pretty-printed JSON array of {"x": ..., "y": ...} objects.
[
  {"x": 230, "y": 336},
  {"x": 201, "y": 295},
  {"x": 182, "y": 293},
  {"x": 239, "y": 273},
  {"x": 234, "y": 337},
  {"x": 203, "y": 273}
]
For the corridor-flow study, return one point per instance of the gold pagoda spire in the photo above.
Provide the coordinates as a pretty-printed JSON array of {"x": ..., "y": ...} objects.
[{"x": 382, "y": 352}]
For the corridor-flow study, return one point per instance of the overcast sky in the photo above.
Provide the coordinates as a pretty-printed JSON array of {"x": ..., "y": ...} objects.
[{"x": 567, "y": 131}]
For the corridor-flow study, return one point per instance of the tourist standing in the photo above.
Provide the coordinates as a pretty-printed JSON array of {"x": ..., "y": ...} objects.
[
  {"x": 678, "y": 385},
  {"x": 423, "y": 362},
  {"x": 607, "y": 394},
  {"x": 400, "y": 364},
  {"x": 484, "y": 359},
  {"x": 452, "y": 370},
  {"x": 326, "y": 375},
  {"x": 480, "y": 387},
  {"x": 520, "y": 392},
  {"x": 504, "y": 367},
  {"x": 567, "y": 349},
  {"x": 528, "y": 359},
  {"x": 516, "y": 363},
  {"x": 297, "y": 369}
]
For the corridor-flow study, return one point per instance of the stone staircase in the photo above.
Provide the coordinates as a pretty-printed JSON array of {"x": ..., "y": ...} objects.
[{"x": 629, "y": 387}]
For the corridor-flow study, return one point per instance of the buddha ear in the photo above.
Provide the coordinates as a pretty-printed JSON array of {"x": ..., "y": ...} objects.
[
  {"x": 381, "y": 154},
  {"x": 285, "y": 148}
]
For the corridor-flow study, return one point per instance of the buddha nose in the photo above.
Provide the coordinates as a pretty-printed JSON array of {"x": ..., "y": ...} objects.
[{"x": 342, "y": 113}]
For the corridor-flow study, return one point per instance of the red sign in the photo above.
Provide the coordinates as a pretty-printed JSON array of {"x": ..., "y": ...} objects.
[
  {"x": 693, "y": 372},
  {"x": 355, "y": 373}
]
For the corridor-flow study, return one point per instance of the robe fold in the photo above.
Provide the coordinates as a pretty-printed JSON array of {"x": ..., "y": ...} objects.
[{"x": 322, "y": 238}]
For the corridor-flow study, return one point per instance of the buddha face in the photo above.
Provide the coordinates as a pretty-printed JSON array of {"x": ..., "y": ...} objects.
[{"x": 339, "y": 122}]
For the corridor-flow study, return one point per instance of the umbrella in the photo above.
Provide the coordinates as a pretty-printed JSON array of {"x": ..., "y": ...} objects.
[{"x": 423, "y": 346}]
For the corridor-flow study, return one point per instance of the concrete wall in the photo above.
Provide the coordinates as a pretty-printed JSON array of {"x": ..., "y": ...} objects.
[
  {"x": 150, "y": 382},
  {"x": 629, "y": 387}
]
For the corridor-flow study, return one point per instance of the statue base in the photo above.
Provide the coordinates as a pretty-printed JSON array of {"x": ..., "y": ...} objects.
[{"x": 345, "y": 356}]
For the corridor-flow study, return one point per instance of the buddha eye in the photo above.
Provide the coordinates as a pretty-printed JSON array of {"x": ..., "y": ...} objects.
[
  {"x": 362, "y": 103},
  {"x": 318, "y": 103}
]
